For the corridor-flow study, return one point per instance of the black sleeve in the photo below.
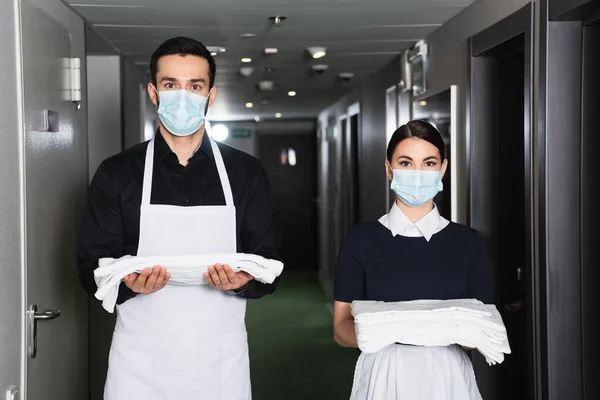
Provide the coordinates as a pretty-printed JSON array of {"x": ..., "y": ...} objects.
[
  {"x": 349, "y": 282},
  {"x": 479, "y": 280},
  {"x": 260, "y": 233},
  {"x": 101, "y": 234}
]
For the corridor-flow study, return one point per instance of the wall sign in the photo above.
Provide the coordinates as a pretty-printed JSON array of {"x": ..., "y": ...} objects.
[{"x": 241, "y": 133}]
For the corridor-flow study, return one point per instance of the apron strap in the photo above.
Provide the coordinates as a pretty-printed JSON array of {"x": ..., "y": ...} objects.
[
  {"x": 222, "y": 172},
  {"x": 149, "y": 167},
  {"x": 148, "y": 170}
]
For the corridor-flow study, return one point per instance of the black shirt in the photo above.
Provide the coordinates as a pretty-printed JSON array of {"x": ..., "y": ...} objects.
[
  {"x": 111, "y": 220},
  {"x": 375, "y": 265}
]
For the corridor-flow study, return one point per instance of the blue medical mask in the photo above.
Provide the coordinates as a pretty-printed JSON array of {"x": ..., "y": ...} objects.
[
  {"x": 181, "y": 112},
  {"x": 416, "y": 188}
]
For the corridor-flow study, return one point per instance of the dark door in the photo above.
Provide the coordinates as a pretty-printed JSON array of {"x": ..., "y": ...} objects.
[
  {"x": 290, "y": 162},
  {"x": 590, "y": 214},
  {"x": 349, "y": 175},
  {"x": 501, "y": 198},
  {"x": 511, "y": 241}
]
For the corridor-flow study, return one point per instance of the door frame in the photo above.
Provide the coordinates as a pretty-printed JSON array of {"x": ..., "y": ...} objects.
[{"x": 519, "y": 23}]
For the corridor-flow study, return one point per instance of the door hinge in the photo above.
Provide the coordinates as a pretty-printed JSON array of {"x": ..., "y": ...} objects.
[
  {"x": 11, "y": 393},
  {"x": 71, "y": 87}
]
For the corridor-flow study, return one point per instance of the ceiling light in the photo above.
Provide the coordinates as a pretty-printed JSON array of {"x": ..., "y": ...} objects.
[
  {"x": 317, "y": 52},
  {"x": 266, "y": 86},
  {"x": 271, "y": 51},
  {"x": 219, "y": 132},
  {"x": 277, "y": 20},
  {"x": 346, "y": 76},
  {"x": 246, "y": 71},
  {"x": 291, "y": 93},
  {"x": 246, "y": 60},
  {"x": 423, "y": 103},
  {"x": 278, "y": 115},
  {"x": 319, "y": 68},
  {"x": 215, "y": 50},
  {"x": 247, "y": 35},
  {"x": 249, "y": 105}
]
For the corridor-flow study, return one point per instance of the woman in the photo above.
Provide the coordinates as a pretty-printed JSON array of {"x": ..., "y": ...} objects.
[{"x": 411, "y": 253}]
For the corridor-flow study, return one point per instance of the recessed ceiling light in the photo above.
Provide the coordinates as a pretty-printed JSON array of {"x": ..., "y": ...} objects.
[
  {"x": 278, "y": 115},
  {"x": 423, "y": 103},
  {"x": 247, "y": 35},
  {"x": 246, "y": 71},
  {"x": 266, "y": 86},
  {"x": 291, "y": 93},
  {"x": 215, "y": 50},
  {"x": 249, "y": 105},
  {"x": 270, "y": 51},
  {"x": 277, "y": 20},
  {"x": 246, "y": 60},
  {"x": 317, "y": 52}
]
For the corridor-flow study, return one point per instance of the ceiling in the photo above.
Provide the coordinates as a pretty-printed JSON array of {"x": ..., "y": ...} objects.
[{"x": 360, "y": 36}]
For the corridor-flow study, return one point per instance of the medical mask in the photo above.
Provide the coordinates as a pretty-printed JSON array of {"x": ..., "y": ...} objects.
[
  {"x": 181, "y": 112},
  {"x": 416, "y": 188}
]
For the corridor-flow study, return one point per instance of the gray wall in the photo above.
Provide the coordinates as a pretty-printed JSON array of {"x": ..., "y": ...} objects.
[
  {"x": 557, "y": 8},
  {"x": 105, "y": 135},
  {"x": 96, "y": 45},
  {"x": 104, "y": 115},
  {"x": 10, "y": 226},
  {"x": 134, "y": 85}
]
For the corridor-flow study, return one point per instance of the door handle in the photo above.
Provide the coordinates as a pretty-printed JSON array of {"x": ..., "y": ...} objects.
[
  {"x": 32, "y": 317},
  {"x": 515, "y": 306}
]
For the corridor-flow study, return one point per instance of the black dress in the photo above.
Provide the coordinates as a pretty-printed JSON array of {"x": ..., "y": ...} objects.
[{"x": 375, "y": 265}]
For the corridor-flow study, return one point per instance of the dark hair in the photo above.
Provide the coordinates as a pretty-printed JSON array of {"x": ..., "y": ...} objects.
[
  {"x": 417, "y": 129},
  {"x": 183, "y": 46}
]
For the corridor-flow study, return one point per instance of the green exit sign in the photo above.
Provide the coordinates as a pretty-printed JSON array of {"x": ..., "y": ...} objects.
[{"x": 241, "y": 133}]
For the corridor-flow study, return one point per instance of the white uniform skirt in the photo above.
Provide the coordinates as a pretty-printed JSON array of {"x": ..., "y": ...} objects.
[{"x": 400, "y": 372}]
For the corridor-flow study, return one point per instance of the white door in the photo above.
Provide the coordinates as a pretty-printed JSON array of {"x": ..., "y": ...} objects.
[{"x": 53, "y": 179}]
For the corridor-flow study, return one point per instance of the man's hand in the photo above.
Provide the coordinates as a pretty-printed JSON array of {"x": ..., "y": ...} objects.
[
  {"x": 222, "y": 277},
  {"x": 146, "y": 282}
]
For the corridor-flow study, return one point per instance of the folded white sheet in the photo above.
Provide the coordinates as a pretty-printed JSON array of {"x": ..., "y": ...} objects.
[
  {"x": 184, "y": 270},
  {"x": 466, "y": 322}
]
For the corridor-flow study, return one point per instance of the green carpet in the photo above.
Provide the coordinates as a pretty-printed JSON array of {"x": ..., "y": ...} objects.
[{"x": 292, "y": 352}]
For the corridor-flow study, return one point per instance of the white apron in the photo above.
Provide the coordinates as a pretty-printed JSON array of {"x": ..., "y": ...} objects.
[
  {"x": 182, "y": 342},
  {"x": 400, "y": 372}
]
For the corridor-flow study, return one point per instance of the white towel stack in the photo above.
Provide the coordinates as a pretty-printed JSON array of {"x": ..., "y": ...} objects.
[
  {"x": 184, "y": 270},
  {"x": 466, "y": 322}
]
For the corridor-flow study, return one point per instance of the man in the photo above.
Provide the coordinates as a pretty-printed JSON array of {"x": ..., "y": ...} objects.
[{"x": 180, "y": 193}]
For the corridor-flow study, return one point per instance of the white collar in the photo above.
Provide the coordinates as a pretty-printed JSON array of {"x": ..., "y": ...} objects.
[{"x": 399, "y": 224}]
